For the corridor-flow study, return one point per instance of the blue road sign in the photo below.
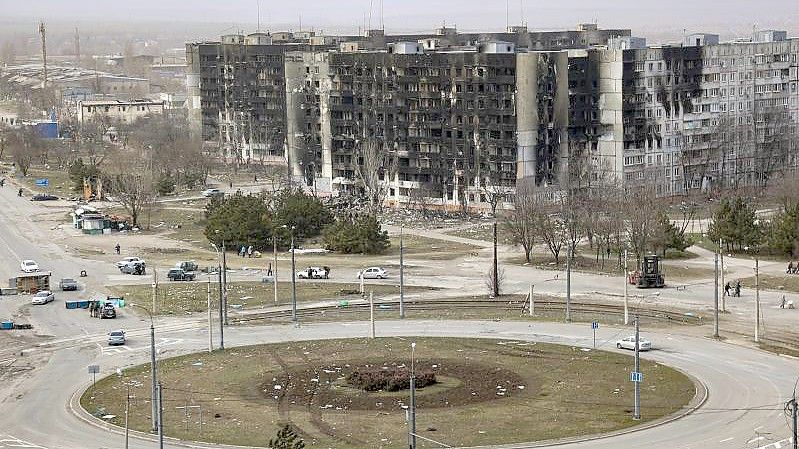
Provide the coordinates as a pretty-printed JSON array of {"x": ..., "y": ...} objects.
[
  {"x": 594, "y": 325},
  {"x": 44, "y": 182},
  {"x": 636, "y": 377}
]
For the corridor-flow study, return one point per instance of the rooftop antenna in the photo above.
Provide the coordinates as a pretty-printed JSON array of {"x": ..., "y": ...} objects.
[
  {"x": 371, "y": 6},
  {"x": 382, "y": 16},
  {"x": 300, "y": 22},
  {"x": 258, "y": 6},
  {"x": 507, "y": 14},
  {"x": 521, "y": 11}
]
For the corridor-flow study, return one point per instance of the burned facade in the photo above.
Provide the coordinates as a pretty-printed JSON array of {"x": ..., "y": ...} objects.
[{"x": 448, "y": 113}]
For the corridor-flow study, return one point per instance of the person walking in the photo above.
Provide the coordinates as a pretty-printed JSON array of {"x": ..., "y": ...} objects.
[
  {"x": 117, "y": 248},
  {"x": 782, "y": 303},
  {"x": 727, "y": 288},
  {"x": 738, "y": 288},
  {"x": 242, "y": 250},
  {"x": 249, "y": 251},
  {"x": 269, "y": 270}
]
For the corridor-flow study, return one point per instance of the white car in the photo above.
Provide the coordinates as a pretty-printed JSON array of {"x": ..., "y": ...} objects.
[
  {"x": 373, "y": 273},
  {"x": 208, "y": 193},
  {"x": 629, "y": 343},
  {"x": 29, "y": 266},
  {"x": 128, "y": 260},
  {"x": 116, "y": 338},
  {"x": 43, "y": 297}
]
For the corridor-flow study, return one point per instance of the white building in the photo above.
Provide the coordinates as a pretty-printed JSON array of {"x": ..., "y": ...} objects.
[{"x": 118, "y": 110}]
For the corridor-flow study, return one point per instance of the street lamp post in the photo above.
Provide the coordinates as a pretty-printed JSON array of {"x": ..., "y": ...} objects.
[
  {"x": 293, "y": 276},
  {"x": 412, "y": 408},
  {"x": 153, "y": 370},
  {"x": 401, "y": 278},
  {"x": 221, "y": 320}
]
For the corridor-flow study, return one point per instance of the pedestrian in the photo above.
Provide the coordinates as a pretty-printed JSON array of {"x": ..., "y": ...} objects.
[
  {"x": 727, "y": 288},
  {"x": 738, "y": 288},
  {"x": 249, "y": 251},
  {"x": 241, "y": 251},
  {"x": 117, "y": 248},
  {"x": 255, "y": 178},
  {"x": 790, "y": 267},
  {"x": 231, "y": 184},
  {"x": 269, "y": 270},
  {"x": 782, "y": 303}
]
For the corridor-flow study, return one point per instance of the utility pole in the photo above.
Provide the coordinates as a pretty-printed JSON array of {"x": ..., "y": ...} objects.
[
  {"x": 757, "y": 300},
  {"x": 127, "y": 413},
  {"x": 722, "y": 284},
  {"x": 793, "y": 405},
  {"x": 221, "y": 315},
  {"x": 412, "y": 408},
  {"x": 372, "y": 314},
  {"x": 716, "y": 298},
  {"x": 77, "y": 48},
  {"x": 160, "y": 416},
  {"x": 626, "y": 286},
  {"x": 210, "y": 319},
  {"x": 402, "y": 278},
  {"x": 532, "y": 301},
  {"x": 155, "y": 288},
  {"x": 43, "y": 35},
  {"x": 294, "y": 281},
  {"x": 495, "y": 285},
  {"x": 153, "y": 376},
  {"x": 274, "y": 256},
  {"x": 637, "y": 411},
  {"x": 224, "y": 284},
  {"x": 568, "y": 282}
]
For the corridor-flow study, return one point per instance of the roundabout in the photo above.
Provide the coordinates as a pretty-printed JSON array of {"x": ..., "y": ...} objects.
[{"x": 350, "y": 393}]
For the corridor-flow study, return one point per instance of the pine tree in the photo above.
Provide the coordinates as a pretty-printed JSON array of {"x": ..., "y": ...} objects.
[{"x": 286, "y": 438}]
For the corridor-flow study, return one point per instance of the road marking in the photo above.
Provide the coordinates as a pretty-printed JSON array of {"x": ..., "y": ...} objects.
[
  {"x": 9, "y": 441},
  {"x": 776, "y": 444},
  {"x": 726, "y": 439}
]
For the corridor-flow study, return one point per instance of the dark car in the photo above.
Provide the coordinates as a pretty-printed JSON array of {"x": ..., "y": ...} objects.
[
  {"x": 133, "y": 268},
  {"x": 177, "y": 274},
  {"x": 44, "y": 197},
  {"x": 68, "y": 284},
  {"x": 108, "y": 311}
]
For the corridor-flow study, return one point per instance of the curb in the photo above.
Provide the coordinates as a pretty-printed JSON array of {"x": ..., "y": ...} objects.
[{"x": 702, "y": 394}]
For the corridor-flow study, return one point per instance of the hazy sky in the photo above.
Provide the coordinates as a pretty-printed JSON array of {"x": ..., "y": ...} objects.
[{"x": 643, "y": 16}]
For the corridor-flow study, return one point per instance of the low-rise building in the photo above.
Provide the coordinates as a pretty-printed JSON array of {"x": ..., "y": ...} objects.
[{"x": 118, "y": 110}]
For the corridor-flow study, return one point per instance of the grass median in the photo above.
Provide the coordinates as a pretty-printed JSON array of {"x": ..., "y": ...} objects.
[
  {"x": 488, "y": 392},
  {"x": 174, "y": 298}
]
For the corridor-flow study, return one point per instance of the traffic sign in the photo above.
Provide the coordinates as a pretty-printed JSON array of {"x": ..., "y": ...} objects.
[
  {"x": 43, "y": 182},
  {"x": 636, "y": 377},
  {"x": 94, "y": 369},
  {"x": 594, "y": 325}
]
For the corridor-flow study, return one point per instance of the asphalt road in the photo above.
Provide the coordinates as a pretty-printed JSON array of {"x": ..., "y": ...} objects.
[{"x": 747, "y": 387}]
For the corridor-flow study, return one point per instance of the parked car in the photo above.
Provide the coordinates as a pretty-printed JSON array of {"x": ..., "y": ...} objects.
[
  {"x": 44, "y": 197},
  {"x": 43, "y": 297},
  {"x": 372, "y": 273},
  {"x": 629, "y": 343},
  {"x": 108, "y": 311},
  {"x": 208, "y": 193},
  {"x": 176, "y": 274},
  {"x": 68, "y": 284},
  {"x": 135, "y": 267},
  {"x": 128, "y": 260},
  {"x": 187, "y": 265},
  {"x": 116, "y": 338},
  {"x": 29, "y": 266},
  {"x": 314, "y": 273}
]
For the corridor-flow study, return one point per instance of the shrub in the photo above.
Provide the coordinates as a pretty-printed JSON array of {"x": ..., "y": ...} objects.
[{"x": 393, "y": 379}]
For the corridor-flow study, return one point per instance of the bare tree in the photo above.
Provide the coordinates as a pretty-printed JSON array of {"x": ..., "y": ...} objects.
[
  {"x": 641, "y": 219},
  {"x": 374, "y": 168},
  {"x": 521, "y": 221},
  {"x": 133, "y": 183}
]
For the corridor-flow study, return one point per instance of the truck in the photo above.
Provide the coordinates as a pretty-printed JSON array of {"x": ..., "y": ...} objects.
[
  {"x": 649, "y": 275},
  {"x": 177, "y": 274}
]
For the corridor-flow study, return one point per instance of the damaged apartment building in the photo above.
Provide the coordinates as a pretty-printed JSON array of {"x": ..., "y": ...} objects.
[{"x": 449, "y": 113}]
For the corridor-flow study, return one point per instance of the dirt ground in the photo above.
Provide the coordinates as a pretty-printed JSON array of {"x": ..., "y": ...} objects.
[{"x": 490, "y": 392}]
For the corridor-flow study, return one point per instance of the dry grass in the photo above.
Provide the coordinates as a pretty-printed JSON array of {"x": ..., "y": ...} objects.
[
  {"x": 246, "y": 393},
  {"x": 191, "y": 297}
]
